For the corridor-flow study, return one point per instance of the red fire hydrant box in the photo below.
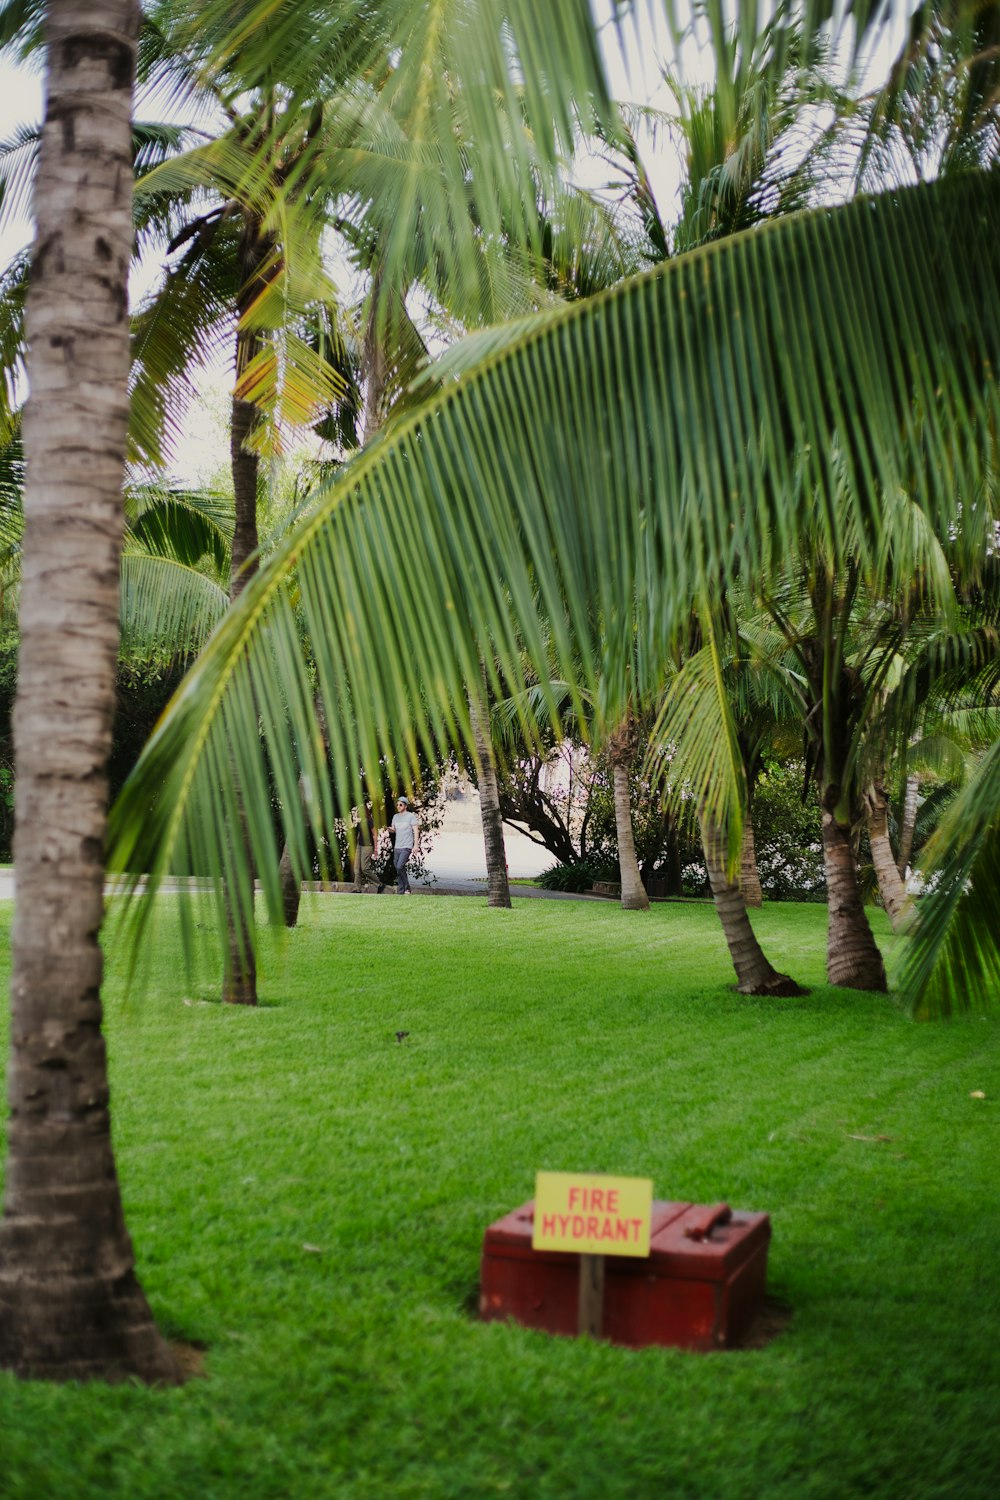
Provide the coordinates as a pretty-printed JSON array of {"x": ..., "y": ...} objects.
[{"x": 701, "y": 1287}]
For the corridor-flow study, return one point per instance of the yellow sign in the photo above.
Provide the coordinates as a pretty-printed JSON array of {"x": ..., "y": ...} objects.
[{"x": 592, "y": 1215}]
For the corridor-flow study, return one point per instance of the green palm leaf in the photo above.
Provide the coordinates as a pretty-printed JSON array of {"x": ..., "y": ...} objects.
[
  {"x": 768, "y": 386},
  {"x": 168, "y": 608},
  {"x": 954, "y": 961}
]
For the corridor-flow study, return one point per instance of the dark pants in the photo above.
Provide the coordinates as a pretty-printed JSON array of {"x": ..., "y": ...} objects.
[
  {"x": 399, "y": 859},
  {"x": 362, "y": 865}
]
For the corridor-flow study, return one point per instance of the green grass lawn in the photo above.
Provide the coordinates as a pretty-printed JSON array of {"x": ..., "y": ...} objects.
[{"x": 307, "y": 1198}]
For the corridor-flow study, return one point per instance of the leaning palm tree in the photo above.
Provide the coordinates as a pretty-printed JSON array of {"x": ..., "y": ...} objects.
[{"x": 697, "y": 740}]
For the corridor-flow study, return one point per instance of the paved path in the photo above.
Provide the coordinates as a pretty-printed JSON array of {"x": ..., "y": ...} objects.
[
  {"x": 449, "y": 887},
  {"x": 456, "y": 863}
]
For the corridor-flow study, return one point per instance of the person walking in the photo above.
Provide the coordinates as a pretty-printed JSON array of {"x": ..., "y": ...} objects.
[
  {"x": 364, "y": 848},
  {"x": 406, "y": 829}
]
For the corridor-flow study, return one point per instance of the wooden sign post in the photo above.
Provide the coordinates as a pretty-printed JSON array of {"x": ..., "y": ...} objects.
[
  {"x": 593, "y": 1216},
  {"x": 590, "y": 1308}
]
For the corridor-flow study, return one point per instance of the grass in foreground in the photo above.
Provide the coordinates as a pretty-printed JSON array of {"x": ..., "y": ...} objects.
[{"x": 307, "y": 1198}]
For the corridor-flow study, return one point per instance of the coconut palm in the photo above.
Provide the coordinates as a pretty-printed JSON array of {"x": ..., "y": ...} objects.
[
  {"x": 841, "y": 637},
  {"x": 526, "y": 480},
  {"x": 943, "y": 714},
  {"x": 697, "y": 738},
  {"x": 71, "y": 1303}
]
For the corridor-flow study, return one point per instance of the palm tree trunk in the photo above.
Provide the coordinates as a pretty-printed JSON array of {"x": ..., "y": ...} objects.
[
  {"x": 71, "y": 1307},
  {"x": 498, "y": 885},
  {"x": 291, "y": 888},
  {"x": 894, "y": 894},
  {"x": 750, "y": 884},
  {"x": 852, "y": 956},
  {"x": 754, "y": 974},
  {"x": 911, "y": 801},
  {"x": 239, "y": 980},
  {"x": 622, "y": 745},
  {"x": 634, "y": 897}
]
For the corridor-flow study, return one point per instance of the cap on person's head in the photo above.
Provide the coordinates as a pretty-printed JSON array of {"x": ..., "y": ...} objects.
[{"x": 405, "y": 801}]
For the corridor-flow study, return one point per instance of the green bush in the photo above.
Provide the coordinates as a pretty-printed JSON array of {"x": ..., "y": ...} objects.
[
  {"x": 579, "y": 876},
  {"x": 788, "y": 834}
]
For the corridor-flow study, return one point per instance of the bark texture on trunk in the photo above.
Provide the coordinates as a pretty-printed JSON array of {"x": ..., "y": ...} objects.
[
  {"x": 71, "y": 1306},
  {"x": 911, "y": 802},
  {"x": 755, "y": 975},
  {"x": 893, "y": 891},
  {"x": 498, "y": 885},
  {"x": 622, "y": 747},
  {"x": 245, "y": 468},
  {"x": 852, "y": 956},
  {"x": 750, "y": 884},
  {"x": 634, "y": 897}
]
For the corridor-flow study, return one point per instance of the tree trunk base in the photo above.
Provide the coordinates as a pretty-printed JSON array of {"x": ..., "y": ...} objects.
[
  {"x": 60, "y": 1328},
  {"x": 853, "y": 960},
  {"x": 634, "y": 902},
  {"x": 755, "y": 974},
  {"x": 780, "y": 985},
  {"x": 239, "y": 990}
]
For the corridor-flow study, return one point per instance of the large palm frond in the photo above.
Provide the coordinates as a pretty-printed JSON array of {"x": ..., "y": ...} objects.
[{"x": 770, "y": 385}]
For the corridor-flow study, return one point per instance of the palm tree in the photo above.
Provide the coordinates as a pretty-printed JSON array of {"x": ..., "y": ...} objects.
[
  {"x": 70, "y": 1303},
  {"x": 698, "y": 733}
]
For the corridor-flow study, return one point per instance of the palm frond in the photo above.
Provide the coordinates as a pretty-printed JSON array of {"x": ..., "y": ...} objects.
[
  {"x": 694, "y": 747},
  {"x": 168, "y": 608},
  {"x": 192, "y": 313},
  {"x": 954, "y": 961},
  {"x": 13, "y": 291},
  {"x": 18, "y": 160},
  {"x": 766, "y": 387},
  {"x": 187, "y": 526}
]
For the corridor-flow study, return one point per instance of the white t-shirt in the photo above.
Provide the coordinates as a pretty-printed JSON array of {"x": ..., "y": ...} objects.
[{"x": 404, "y": 826}]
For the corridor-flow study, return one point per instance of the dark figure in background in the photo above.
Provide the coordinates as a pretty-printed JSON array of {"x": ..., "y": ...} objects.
[{"x": 364, "y": 848}]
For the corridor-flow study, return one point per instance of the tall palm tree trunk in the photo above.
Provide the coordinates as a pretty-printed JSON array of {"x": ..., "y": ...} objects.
[
  {"x": 755, "y": 975},
  {"x": 911, "y": 801},
  {"x": 892, "y": 888},
  {"x": 852, "y": 956},
  {"x": 634, "y": 897},
  {"x": 498, "y": 885},
  {"x": 622, "y": 745},
  {"x": 239, "y": 979},
  {"x": 71, "y": 1306},
  {"x": 750, "y": 885}
]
